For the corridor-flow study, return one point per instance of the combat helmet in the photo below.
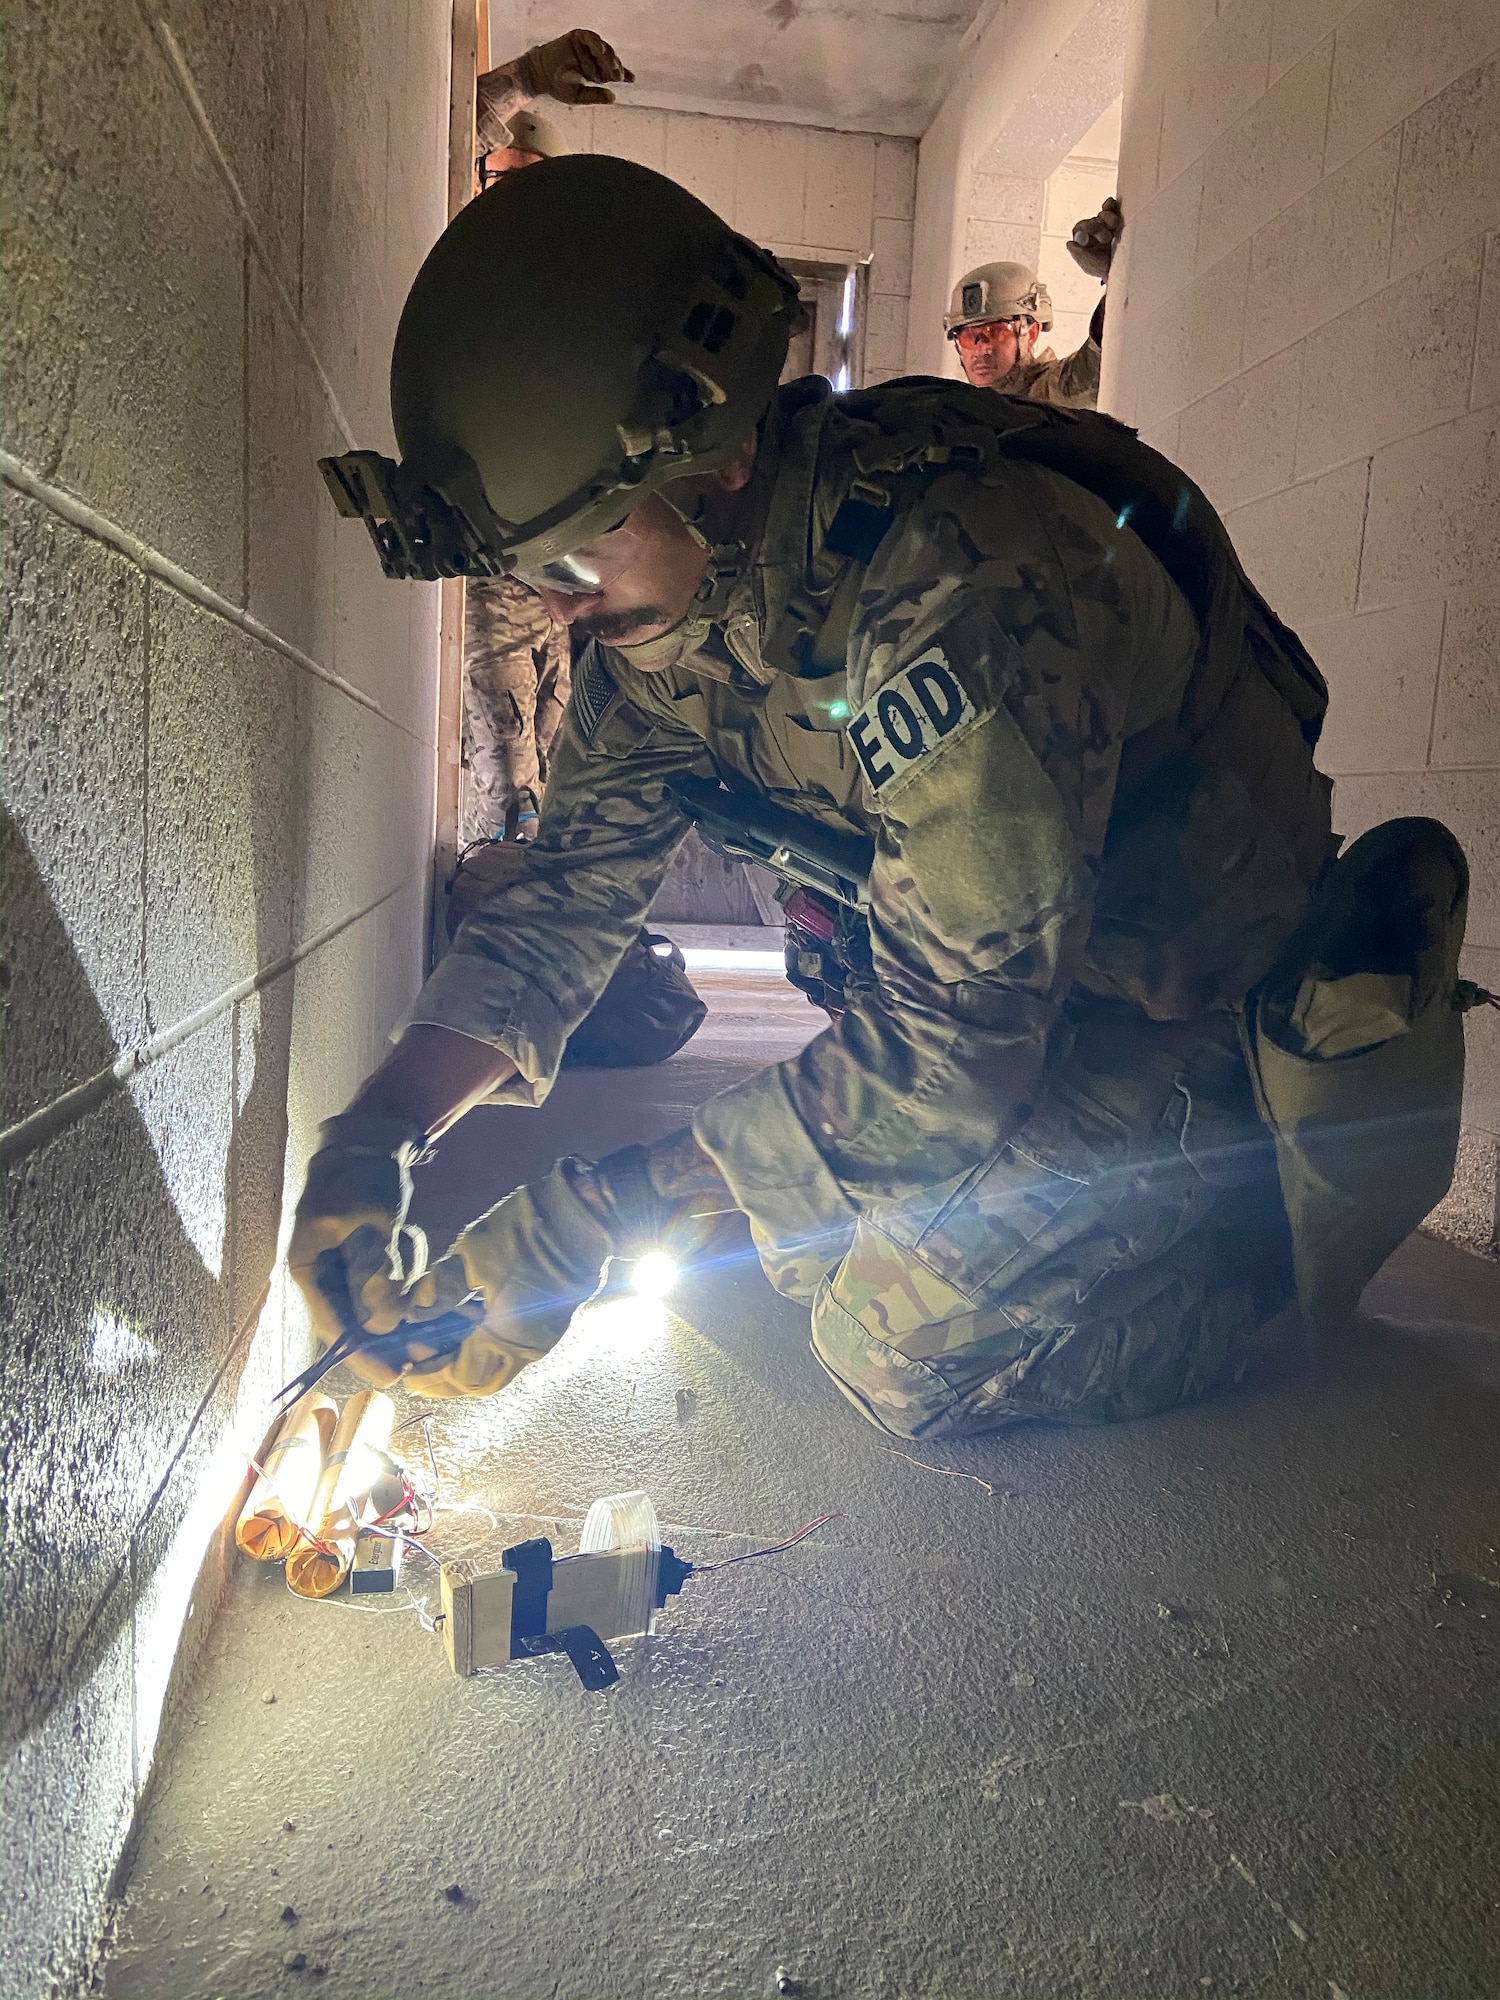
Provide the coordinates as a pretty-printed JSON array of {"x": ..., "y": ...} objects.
[
  {"x": 997, "y": 291},
  {"x": 579, "y": 336}
]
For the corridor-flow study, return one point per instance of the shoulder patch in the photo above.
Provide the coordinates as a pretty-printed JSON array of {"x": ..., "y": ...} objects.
[
  {"x": 913, "y": 716},
  {"x": 593, "y": 691}
]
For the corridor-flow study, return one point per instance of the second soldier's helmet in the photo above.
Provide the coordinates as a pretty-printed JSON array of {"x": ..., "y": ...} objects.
[
  {"x": 583, "y": 333},
  {"x": 998, "y": 291}
]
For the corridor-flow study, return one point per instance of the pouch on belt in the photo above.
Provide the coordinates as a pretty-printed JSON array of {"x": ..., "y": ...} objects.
[{"x": 1356, "y": 1050}]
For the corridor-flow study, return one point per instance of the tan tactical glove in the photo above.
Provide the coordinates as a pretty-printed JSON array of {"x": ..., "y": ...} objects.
[
  {"x": 573, "y": 68},
  {"x": 1093, "y": 241},
  {"x": 350, "y": 1227},
  {"x": 521, "y": 1271}
]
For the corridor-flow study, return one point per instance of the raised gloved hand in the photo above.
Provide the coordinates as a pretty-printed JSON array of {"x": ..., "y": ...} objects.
[
  {"x": 350, "y": 1228},
  {"x": 574, "y": 68},
  {"x": 522, "y": 1270},
  {"x": 1093, "y": 241}
]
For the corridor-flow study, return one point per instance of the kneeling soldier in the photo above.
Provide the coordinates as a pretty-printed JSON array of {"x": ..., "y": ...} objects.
[{"x": 1006, "y": 652}]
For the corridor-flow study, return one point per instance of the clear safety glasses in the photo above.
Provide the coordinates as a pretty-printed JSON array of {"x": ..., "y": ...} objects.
[
  {"x": 574, "y": 575},
  {"x": 583, "y": 572}
]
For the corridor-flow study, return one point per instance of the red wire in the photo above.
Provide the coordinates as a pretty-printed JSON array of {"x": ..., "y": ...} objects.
[
  {"x": 409, "y": 1500},
  {"x": 307, "y": 1534},
  {"x": 754, "y": 1555}
]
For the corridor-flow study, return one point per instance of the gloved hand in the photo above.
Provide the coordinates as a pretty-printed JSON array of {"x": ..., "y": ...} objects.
[
  {"x": 523, "y": 1269},
  {"x": 354, "y": 1206},
  {"x": 573, "y": 67},
  {"x": 1093, "y": 241}
]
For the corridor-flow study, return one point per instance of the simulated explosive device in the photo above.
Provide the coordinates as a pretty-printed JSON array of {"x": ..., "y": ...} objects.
[
  {"x": 538, "y": 1603},
  {"x": 273, "y": 1521},
  {"x": 358, "y": 1465}
]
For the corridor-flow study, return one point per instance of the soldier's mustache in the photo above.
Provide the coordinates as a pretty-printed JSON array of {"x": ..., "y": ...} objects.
[{"x": 607, "y": 625}]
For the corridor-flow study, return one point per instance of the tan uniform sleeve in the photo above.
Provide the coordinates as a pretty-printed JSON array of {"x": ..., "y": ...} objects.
[
  {"x": 993, "y": 667},
  {"x": 530, "y": 962},
  {"x": 507, "y": 637},
  {"x": 553, "y": 689},
  {"x": 1072, "y": 381}
]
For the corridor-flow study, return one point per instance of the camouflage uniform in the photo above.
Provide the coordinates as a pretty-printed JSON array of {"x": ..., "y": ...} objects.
[
  {"x": 1022, "y": 1176},
  {"x": 1072, "y": 382},
  {"x": 515, "y": 692}
]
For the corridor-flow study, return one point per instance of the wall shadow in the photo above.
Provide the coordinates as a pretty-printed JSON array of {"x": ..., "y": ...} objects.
[{"x": 112, "y": 1328}]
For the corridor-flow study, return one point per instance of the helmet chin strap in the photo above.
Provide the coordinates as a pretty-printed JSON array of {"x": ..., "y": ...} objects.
[
  {"x": 726, "y": 565},
  {"x": 728, "y": 559},
  {"x": 689, "y": 513},
  {"x": 727, "y": 562}
]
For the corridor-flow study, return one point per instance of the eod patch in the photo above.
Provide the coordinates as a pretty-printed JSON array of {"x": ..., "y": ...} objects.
[{"x": 909, "y": 720}]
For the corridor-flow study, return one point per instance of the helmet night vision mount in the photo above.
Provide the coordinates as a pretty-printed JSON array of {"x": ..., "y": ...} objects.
[
  {"x": 578, "y": 337},
  {"x": 997, "y": 291}
]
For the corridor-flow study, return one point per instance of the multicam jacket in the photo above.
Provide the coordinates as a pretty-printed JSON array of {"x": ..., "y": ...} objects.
[
  {"x": 515, "y": 691},
  {"x": 1086, "y": 771},
  {"x": 1071, "y": 382}
]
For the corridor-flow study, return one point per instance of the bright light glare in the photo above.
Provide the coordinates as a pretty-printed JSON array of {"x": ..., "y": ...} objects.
[
  {"x": 734, "y": 961},
  {"x": 115, "y": 1345},
  {"x": 654, "y": 1275},
  {"x": 618, "y": 1330}
]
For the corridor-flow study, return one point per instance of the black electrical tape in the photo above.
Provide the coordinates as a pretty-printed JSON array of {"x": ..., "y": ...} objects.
[
  {"x": 592, "y": 1660},
  {"x": 532, "y": 1563},
  {"x": 671, "y": 1574}
]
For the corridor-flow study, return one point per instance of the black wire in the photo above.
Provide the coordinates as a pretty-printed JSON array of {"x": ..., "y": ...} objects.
[
  {"x": 406, "y": 1535},
  {"x": 425, "y": 1420}
]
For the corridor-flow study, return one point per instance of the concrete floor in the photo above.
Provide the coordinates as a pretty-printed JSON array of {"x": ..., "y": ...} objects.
[{"x": 1206, "y": 1704}]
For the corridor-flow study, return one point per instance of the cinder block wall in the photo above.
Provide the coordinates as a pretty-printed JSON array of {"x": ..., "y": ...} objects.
[
  {"x": 219, "y": 725},
  {"x": 798, "y": 190},
  {"x": 1028, "y": 219},
  {"x": 1306, "y": 315},
  {"x": 1077, "y": 188}
]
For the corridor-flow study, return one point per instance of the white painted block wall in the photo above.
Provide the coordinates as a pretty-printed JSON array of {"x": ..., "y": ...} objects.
[
  {"x": 1028, "y": 219},
  {"x": 219, "y": 725},
  {"x": 1034, "y": 80},
  {"x": 1073, "y": 190},
  {"x": 1306, "y": 314},
  {"x": 798, "y": 190}
]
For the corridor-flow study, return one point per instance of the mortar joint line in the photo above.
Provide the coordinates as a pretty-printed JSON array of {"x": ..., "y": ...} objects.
[
  {"x": 1364, "y": 524},
  {"x": 1300, "y": 350},
  {"x": 19, "y": 1141},
  {"x": 1365, "y": 456},
  {"x": 79, "y": 514},
  {"x": 144, "y": 941},
  {"x": 1333, "y": 56},
  {"x": 1390, "y": 242},
  {"x": 246, "y": 503},
  {"x": 1437, "y": 686},
  {"x": 1486, "y": 244},
  {"x": 187, "y": 84},
  {"x": 125, "y": 1569}
]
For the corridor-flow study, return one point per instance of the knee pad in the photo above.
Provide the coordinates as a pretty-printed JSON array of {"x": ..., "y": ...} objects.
[
  {"x": 874, "y": 1319},
  {"x": 887, "y": 1387}
]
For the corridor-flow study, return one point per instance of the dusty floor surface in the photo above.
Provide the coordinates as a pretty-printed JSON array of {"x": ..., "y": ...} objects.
[{"x": 1206, "y": 1704}]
